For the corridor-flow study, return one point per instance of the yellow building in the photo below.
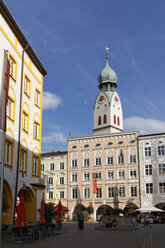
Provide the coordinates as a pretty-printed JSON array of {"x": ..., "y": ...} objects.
[{"x": 22, "y": 157}]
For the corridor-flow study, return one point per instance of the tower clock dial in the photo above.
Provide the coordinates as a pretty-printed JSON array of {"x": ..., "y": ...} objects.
[
  {"x": 116, "y": 100},
  {"x": 101, "y": 99}
]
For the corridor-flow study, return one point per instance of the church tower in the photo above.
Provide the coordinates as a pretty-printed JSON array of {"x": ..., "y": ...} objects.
[{"x": 108, "y": 114}]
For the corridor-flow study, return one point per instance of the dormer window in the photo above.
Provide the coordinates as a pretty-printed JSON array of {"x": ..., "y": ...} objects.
[
  {"x": 98, "y": 144},
  {"x": 74, "y": 147}
]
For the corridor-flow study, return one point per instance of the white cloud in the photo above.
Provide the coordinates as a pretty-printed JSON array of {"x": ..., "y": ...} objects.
[
  {"x": 54, "y": 137},
  {"x": 145, "y": 126},
  {"x": 50, "y": 101}
]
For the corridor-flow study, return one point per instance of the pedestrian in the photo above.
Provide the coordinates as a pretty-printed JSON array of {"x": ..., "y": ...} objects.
[
  {"x": 134, "y": 222},
  {"x": 78, "y": 219},
  {"x": 114, "y": 224},
  {"x": 81, "y": 221},
  {"x": 147, "y": 221}
]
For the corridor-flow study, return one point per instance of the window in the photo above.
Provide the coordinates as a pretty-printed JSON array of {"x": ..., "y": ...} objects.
[
  {"x": 162, "y": 187},
  {"x": 98, "y": 176},
  {"x": 133, "y": 174},
  {"x": 42, "y": 167},
  {"x": 86, "y": 146},
  {"x": 114, "y": 119},
  {"x": 121, "y": 159},
  {"x": 74, "y": 193},
  {"x": 147, "y": 151},
  {"x": 12, "y": 68},
  {"x": 120, "y": 142},
  {"x": 61, "y": 194},
  {"x": 37, "y": 98},
  {"x": 74, "y": 147},
  {"x": 36, "y": 130},
  {"x": 110, "y": 192},
  {"x": 149, "y": 188},
  {"x": 109, "y": 143},
  {"x": 121, "y": 174},
  {"x": 7, "y": 156},
  {"x": 62, "y": 166},
  {"x": 86, "y": 162},
  {"x": 27, "y": 86},
  {"x": 50, "y": 194},
  {"x": 50, "y": 180},
  {"x": 161, "y": 150},
  {"x": 10, "y": 106},
  {"x": 61, "y": 180},
  {"x": 35, "y": 166},
  {"x": 148, "y": 170},
  {"x": 98, "y": 144},
  {"x": 118, "y": 121},
  {"x": 121, "y": 191},
  {"x": 132, "y": 141},
  {"x": 87, "y": 193},
  {"x": 86, "y": 176},
  {"x": 51, "y": 166},
  {"x": 99, "y": 120},
  {"x": 25, "y": 122},
  {"x": 74, "y": 177},
  {"x": 110, "y": 175},
  {"x": 23, "y": 159},
  {"x": 99, "y": 192},
  {"x": 98, "y": 161},
  {"x": 132, "y": 159},
  {"x": 161, "y": 169},
  {"x": 133, "y": 191},
  {"x": 74, "y": 163},
  {"x": 104, "y": 119},
  {"x": 110, "y": 160}
]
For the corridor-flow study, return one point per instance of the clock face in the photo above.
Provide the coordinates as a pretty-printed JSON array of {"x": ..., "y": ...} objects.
[
  {"x": 116, "y": 100},
  {"x": 101, "y": 99}
]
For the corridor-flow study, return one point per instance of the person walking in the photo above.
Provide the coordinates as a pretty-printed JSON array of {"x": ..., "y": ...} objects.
[
  {"x": 147, "y": 221},
  {"x": 81, "y": 221}
]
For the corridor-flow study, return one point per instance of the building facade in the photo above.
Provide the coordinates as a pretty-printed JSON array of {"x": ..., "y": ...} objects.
[
  {"x": 114, "y": 159},
  {"x": 152, "y": 170},
  {"x": 54, "y": 176},
  {"x": 110, "y": 154},
  {"x": 22, "y": 142}
]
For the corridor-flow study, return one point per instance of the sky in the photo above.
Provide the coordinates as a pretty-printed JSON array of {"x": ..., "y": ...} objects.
[{"x": 70, "y": 36}]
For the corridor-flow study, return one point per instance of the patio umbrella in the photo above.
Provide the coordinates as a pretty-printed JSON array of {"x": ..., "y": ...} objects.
[
  {"x": 149, "y": 209},
  {"x": 42, "y": 211},
  {"x": 21, "y": 215},
  {"x": 60, "y": 209}
]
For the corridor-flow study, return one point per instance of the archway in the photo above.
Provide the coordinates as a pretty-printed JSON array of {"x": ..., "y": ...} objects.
[
  {"x": 8, "y": 199},
  {"x": 130, "y": 208},
  {"x": 30, "y": 203},
  {"x": 161, "y": 205},
  {"x": 105, "y": 209},
  {"x": 78, "y": 209}
]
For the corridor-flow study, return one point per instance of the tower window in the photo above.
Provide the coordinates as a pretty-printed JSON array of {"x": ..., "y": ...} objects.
[
  {"x": 118, "y": 120},
  {"x": 99, "y": 120},
  {"x": 105, "y": 119},
  {"x": 114, "y": 119}
]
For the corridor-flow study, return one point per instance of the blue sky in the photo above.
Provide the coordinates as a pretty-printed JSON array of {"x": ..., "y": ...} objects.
[{"x": 70, "y": 36}]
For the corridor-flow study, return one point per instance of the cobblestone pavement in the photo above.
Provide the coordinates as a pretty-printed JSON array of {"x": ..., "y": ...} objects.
[{"x": 91, "y": 238}]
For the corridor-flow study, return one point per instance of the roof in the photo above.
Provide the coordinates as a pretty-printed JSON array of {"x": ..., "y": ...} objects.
[
  {"x": 23, "y": 41},
  {"x": 58, "y": 153},
  {"x": 151, "y": 134},
  {"x": 103, "y": 135}
]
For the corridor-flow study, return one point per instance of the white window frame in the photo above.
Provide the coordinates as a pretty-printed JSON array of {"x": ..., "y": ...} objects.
[
  {"x": 161, "y": 150},
  {"x": 86, "y": 193},
  {"x": 86, "y": 176},
  {"x": 121, "y": 191},
  {"x": 23, "y": 160},
  {"x": 161, "y": 169},
  {"x": 162, "y": 187},
  {"x": 148, "y": 170},
  {"x": 147, "y": 151},
  {"x": 86, "y": 162},
  {"x": 7, "y": 156},
  {"x": 35, "y": 165},
  {"x": 98, "y": 161},
  {"x": 134, "y": 174},
  {"x": 99, "y": 192},
  {"x": 61, "y": 165},
  {"x": 133, "y": 191},
  {"x": 110, "y": 175},
  {"x": 132, "y": 159},
  {"x": 149, "y": 188},
  {"x": 74, "y": 163},
  {"x": 74, "y": 193},
  {"x": 74, "y": 177},
  {"x": 110, "y": 160},
  {"x": 121, "y": 174},
  {"x": 61, "y": 181}
]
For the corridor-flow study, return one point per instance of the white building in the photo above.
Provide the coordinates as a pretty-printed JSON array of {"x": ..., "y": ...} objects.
[
  {"x": 152, "y": 170},
  {"x": 26, "y": 164},
  {"x": 54, "y": 176}
]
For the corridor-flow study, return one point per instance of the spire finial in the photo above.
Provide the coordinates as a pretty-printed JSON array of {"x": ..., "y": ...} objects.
[{"x": 107, "y": 49}]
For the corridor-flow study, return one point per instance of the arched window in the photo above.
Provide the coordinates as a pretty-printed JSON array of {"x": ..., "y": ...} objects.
[
  {"x": 105, "y": 119},
  {"x": 118, "y": 120},
  {"x": 114, "y": 119},
  {"x": 99, "y": 120}
]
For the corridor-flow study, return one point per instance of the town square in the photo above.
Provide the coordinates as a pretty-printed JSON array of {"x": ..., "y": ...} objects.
[{"x": 82, "y": 124}]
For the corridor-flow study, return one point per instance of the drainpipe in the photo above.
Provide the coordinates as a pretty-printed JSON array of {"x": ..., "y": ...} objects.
[{"x": 19, "y": 134}]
